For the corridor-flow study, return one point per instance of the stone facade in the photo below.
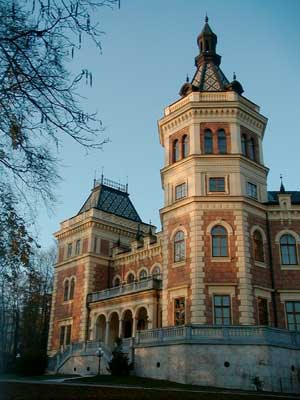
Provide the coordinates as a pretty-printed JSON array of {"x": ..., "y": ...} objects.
[{"x": 228, "y": 252}]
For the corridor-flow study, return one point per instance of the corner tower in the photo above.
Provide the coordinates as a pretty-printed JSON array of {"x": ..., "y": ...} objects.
[{"x": 214, "y": 183}]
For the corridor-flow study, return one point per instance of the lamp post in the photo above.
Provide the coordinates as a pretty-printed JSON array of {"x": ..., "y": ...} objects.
[{"x": 99, "y": 354}]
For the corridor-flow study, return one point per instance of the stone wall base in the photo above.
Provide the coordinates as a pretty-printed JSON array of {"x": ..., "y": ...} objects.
[{"x": 220, "y": 365}]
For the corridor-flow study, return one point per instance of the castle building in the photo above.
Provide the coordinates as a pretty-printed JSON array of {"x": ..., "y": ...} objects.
[{"x": 228, "y": 252}]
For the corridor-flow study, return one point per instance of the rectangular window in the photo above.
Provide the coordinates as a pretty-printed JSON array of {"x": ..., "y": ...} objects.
[
  {"x": 77, "y": 247},
  {"x": 69, "y": 251},
  {"x": 180, "y": 191},
  {"x": 263, "y": 314},
  {"x": 179, "y": 311},
  {"x": 68, "y": 334},
  {"x": 251, "y": 190},
  {"x": 217, "y": 184},
  {"x": 62, "y": 335},
  {"x": 292, "y": 309},
  {"x": 222, "y": 310}
]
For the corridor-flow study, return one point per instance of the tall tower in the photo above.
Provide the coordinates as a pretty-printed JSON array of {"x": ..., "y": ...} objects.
[{"x": 214, "y": 183}]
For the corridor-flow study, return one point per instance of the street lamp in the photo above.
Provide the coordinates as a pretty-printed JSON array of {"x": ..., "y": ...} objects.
[{"x": 99, "y": 354}]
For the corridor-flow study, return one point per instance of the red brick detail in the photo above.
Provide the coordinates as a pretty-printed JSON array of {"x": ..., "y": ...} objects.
[
  {"x": 251, "y": 135},
  {"x": 214, "y": 127},
  {"x": 179, "y": 275},
  {"x": 220, "y": 272},
  {"x": 100, "y": 277},
  {"x": 70, "y": 309},
  {"x": 85, "y": 245},
  {"x": 177, "y": 136}
]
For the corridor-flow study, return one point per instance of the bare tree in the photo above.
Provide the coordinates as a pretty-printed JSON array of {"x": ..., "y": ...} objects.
[{"x": 39, "y": 97}]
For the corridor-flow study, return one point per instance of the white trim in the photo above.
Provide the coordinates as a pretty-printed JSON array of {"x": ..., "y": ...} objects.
[
  {"x": 221, "y": 222},
  {"x": 287, "y": 232},
  {"x": 258, "y": 228},
  {"x": 130, "y": 272}
]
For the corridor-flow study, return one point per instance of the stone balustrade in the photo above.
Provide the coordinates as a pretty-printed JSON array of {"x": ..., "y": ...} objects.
[
  {"x": 134, "y": 287},
  {"x": 219, "y": 334}
]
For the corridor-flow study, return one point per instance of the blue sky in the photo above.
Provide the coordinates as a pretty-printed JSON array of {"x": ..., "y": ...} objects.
[{"x": 148, "y": 48}]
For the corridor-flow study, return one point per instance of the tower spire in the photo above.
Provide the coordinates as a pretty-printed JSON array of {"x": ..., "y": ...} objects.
[{"x": 282, "y": 188}]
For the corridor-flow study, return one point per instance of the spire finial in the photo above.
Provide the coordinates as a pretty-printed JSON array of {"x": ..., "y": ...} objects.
[
  {"x": 234, "y": 76},
  {"x": 187, "y": 78},
  {"x": 282, "y": 188},
  {"x": 206, "y": 17}
]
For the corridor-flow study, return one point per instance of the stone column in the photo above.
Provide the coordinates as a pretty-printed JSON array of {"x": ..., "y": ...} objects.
[
  {"x": 107, "y": 332},
  {"x": 120, "y": 328},
  {"x": 134, "y": 326}
]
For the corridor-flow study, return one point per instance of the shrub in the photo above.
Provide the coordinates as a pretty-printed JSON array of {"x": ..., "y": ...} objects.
[
  {"x": 31, "y": 363},
  {"x": 119, "y": 364}
]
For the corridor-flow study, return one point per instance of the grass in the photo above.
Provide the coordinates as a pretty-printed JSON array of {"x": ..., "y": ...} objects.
[{"x": 35, "y": 378}]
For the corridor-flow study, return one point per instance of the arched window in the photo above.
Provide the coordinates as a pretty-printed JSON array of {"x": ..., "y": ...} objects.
[
  {"x": 244, "y": 145},
  {"x": 288, "y": 250},
  {"x": 219, "y": 241},
  {"x": 208, "y": 142},
  {"x": 185, "y": 146},
  {"x": 222, "y": 145},
  {"x": 116, "y": 282},
  {"x": 175, "y": 151},
  {"x": 258, "y": 246},
  {"x": 252, "y": 149},
  {"x": 66, "y": 290},
  {"x": 143, "y": 274},
  {"x": 130, "y": 278},
  {"x": 179, "y": 247},
  {"x": 156, "y": 271},
  {"x": 72, "y": 289}
]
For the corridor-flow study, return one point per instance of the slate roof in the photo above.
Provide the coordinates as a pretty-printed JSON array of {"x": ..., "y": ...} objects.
[
  {"x": 209, "y": 78},
  {"x": 273, "y": 197},
  {"x": 111, "y": 200}
]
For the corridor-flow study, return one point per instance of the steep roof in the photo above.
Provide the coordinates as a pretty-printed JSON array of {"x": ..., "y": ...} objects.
[
  {"x": 273, "y": 197},
  {"x": 111, "y": 200}
]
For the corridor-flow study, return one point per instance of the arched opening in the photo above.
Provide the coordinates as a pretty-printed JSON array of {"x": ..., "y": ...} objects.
[
  {"x": 116, "y": 282},
  {"x": 66, "y": 290},
  {"x": 142, "y": 319},
  {"x": 127, "y": 324},
  {"x": 258, "y": 246},
  {"x": 130, "y": 278},
  {"x": 100, "y": 328},
  {"x": 288, "y": 250},
  {"x": 156, "y": 273},
  {"x": 143, "y": 274},
  {"x": 72, "y": 289},
  {"x": 113, "y": 328},
  {"x": 219, "y": 241}
]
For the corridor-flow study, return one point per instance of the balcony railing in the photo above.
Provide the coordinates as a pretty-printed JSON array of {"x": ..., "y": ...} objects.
[{"x": 134, "y": 287}]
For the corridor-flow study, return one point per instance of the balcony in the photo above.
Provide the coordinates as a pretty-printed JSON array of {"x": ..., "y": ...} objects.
[{"x": 130, "y": 288}]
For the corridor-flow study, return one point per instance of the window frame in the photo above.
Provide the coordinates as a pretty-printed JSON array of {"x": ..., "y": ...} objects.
[
  {"x": 69, "y": 250},
  {"x": 179, "y": 299},
  {"x": 252, "y": 190},
  {"x": 221, "y": 137},
  {"x": 261, "y": 247},
  {"x": 294, "y": 313},
  {"x": 175, "y": 151},
  {"x": 222, "y": 307},
  {"x": 78, "y": 247},
  {"x": 258, "y": 300},
  {"x": 208, "y": 146},
  {"x": 289, "y": 246},
  {"x": 180, "y": 191},
  {"x": 179, "y": 247},
  {"x": 218, "y": 239},
  {"x": 216, "y": 179}
]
